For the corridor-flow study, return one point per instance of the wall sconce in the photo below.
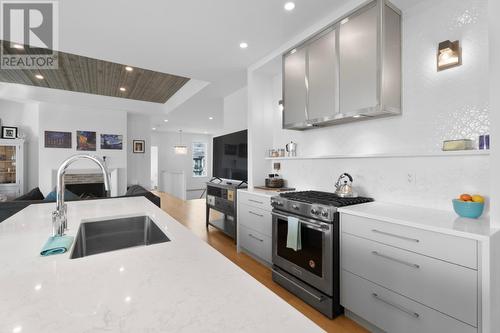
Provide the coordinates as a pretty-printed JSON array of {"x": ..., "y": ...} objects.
[
  {"x": 449, "y": 55},
  {"x": 280, "y": 104}
]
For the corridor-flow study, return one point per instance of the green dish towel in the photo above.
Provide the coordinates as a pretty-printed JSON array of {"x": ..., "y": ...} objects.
[
  {"x": 57, "y": 245},
  {"x": 294, "y": 236}
]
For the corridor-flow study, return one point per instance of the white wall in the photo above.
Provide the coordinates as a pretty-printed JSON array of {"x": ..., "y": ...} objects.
[
  {"x": 436, "y": 106},
  {"x": 25, "y": 117},
  {"x": 139, "y": 165},
  {"x": 235, "y": 112},
  {"x": 70, "y": 119},
  {"x": 494, "y": 99},
  {"x": 168, "y": 161},
  {"x": 494, "y": 58}
]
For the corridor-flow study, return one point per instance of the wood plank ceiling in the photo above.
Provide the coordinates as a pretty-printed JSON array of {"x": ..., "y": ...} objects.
[{"x": 93, "y": 76}]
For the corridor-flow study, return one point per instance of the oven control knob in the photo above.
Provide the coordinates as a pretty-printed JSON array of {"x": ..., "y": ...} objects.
[
  {"x": 314, "y": 211},
  {"x": 324, "y": 213},
  {"x": 295, "y": 207}
]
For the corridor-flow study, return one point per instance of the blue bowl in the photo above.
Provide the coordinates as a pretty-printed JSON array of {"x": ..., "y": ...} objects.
[{"x": 468, "y": 209}]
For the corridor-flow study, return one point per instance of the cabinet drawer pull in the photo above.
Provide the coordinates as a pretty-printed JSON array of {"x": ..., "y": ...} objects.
[
  {"x": 394, "y": 235},
  {"x": 252, "y": 236},
  {"x": 396, "y": 306},
  {"x": 395, "y": 260},
  {"x": 256, "y": 201},
  {"x": 253, "y": 213}
]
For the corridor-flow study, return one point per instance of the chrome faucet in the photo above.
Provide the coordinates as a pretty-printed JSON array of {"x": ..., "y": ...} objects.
[{"x": 59, "y": 219}]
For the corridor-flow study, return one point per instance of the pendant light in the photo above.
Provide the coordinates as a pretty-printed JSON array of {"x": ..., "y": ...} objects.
[{"x": 180, "y": 149}]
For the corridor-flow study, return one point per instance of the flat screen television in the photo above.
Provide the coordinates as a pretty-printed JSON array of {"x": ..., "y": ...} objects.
[{"x": 230, "y": 156}]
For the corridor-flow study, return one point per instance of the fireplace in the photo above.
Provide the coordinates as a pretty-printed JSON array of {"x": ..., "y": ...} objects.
[
  {"x": 88, "y": 183},
  {"x": 85, "y": 185}
]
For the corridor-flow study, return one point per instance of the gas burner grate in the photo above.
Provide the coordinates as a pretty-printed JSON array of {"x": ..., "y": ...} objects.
[{"x": 324, "y": 198}]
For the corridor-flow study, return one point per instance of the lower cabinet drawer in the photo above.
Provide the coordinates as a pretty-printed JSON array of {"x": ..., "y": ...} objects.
[
  {"x": 254, "y": 200},
  {"x": 392, "y": 312},
  {"x": 454, "y": 249},
  {"x": 255, "y": 243},
  {"x": 446, "y": 287},
  {"x": 256, "y": 219}
]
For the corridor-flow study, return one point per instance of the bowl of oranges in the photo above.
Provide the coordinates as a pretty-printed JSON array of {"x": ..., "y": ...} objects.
[{"x": 470, "y": 206}]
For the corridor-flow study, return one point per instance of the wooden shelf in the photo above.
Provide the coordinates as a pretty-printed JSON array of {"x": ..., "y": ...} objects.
[{"x": 386, "y": 155}]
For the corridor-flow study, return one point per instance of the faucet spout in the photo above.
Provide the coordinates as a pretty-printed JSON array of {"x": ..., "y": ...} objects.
[{"x": 59, "y": 219}]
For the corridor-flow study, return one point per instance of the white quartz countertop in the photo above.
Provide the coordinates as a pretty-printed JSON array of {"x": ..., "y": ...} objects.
[
  {"x": 180, "y": 286},
  {"x": 424, "y": 218}
]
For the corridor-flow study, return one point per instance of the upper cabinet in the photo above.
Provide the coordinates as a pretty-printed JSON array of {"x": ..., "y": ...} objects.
[{"x": 347, "y": 72}]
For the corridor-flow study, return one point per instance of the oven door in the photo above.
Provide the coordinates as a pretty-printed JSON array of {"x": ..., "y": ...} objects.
[{"x": 313, "y": 263}]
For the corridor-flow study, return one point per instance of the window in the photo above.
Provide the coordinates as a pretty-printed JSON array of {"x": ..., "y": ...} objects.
[{"x": 199, "y": 159}]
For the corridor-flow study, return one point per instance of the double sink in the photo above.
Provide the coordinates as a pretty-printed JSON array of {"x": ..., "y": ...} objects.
[{"x": 115, "y": 234}]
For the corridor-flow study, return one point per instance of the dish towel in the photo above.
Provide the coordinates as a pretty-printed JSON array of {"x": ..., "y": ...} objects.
[
  {"x": 57, "y": 245},
  {"x": 293, "y": 238}
]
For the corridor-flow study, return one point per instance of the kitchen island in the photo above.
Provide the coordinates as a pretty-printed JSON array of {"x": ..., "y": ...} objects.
[{"x": 183, "y": 285}]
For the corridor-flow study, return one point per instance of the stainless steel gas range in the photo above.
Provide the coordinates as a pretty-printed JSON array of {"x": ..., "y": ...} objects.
[{"x": 309, "y": 268}]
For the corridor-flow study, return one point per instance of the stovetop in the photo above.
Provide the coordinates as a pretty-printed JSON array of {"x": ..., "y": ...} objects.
[
  {"x": 324, "y": 198},
  {"x": 313, "y": 204}
]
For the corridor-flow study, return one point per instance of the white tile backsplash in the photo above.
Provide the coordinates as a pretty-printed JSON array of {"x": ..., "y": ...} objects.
[{"x": 437, "y": 106}]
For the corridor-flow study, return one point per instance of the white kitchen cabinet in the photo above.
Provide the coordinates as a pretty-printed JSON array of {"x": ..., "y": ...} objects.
[
  {"x": 392, "y": 312},
  {"x": 423, "y": 279},
  {"x": 429, "y": 243},
  {"x": 12, "y": 178},
  {"x": 255, "y": 224},
  {"x": 402, "y": 278}
]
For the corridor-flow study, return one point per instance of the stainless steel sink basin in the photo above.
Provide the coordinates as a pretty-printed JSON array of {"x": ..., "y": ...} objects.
[{"x": 115, "y": 234}]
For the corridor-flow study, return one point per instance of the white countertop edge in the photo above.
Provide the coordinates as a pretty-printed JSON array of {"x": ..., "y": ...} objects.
[
  {"x": 259, "y": 192},
  {"x": 483, "y": 230}
]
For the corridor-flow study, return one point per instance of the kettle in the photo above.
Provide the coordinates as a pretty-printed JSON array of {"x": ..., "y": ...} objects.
[
  {"x": 343, "y": 186},
  {"x": 291, "y": 149}
]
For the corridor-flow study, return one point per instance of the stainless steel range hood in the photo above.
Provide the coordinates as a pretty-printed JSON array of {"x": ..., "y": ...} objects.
[{"x": 348, "y": 72}]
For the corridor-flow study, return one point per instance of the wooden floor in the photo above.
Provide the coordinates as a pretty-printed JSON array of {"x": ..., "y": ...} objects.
[{"x": 191, "y": 213}]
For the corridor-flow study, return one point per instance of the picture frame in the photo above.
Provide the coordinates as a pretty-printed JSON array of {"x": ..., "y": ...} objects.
[
  {"x": 138, "y": 146},
  {"x": 86, "y": 140},
  {"x": 9, "y": 132},
  {"x": 54, "y": 139},
  {"x": 112, "y": 141}
]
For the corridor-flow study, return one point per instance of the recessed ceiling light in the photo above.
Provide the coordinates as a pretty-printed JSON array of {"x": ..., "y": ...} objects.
[
  {"x": 123, "y": 89},
  {"x": 154, "y": 128},
  {"x": 166, "y": 120},
  {"x": 128, "y": 69},
  {"x": 39, "y": 77},
  {"x": 18, "y": 46},
  {"x": 210, "y": 118},
  {"x": 289, "y": 6},
  {"x": 243, "y": 45}
]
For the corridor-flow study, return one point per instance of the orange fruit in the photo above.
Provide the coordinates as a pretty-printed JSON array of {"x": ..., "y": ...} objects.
[{"x": 465, "y": 197}]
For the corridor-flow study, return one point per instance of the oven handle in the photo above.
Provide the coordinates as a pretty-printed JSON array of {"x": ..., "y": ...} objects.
[
  {"x": 316, "y": 297},
  {"x": 320, "y": 226}
]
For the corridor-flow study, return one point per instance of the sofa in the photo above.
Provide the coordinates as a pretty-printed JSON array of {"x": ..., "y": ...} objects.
[{"x": 9, "y": 208}]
